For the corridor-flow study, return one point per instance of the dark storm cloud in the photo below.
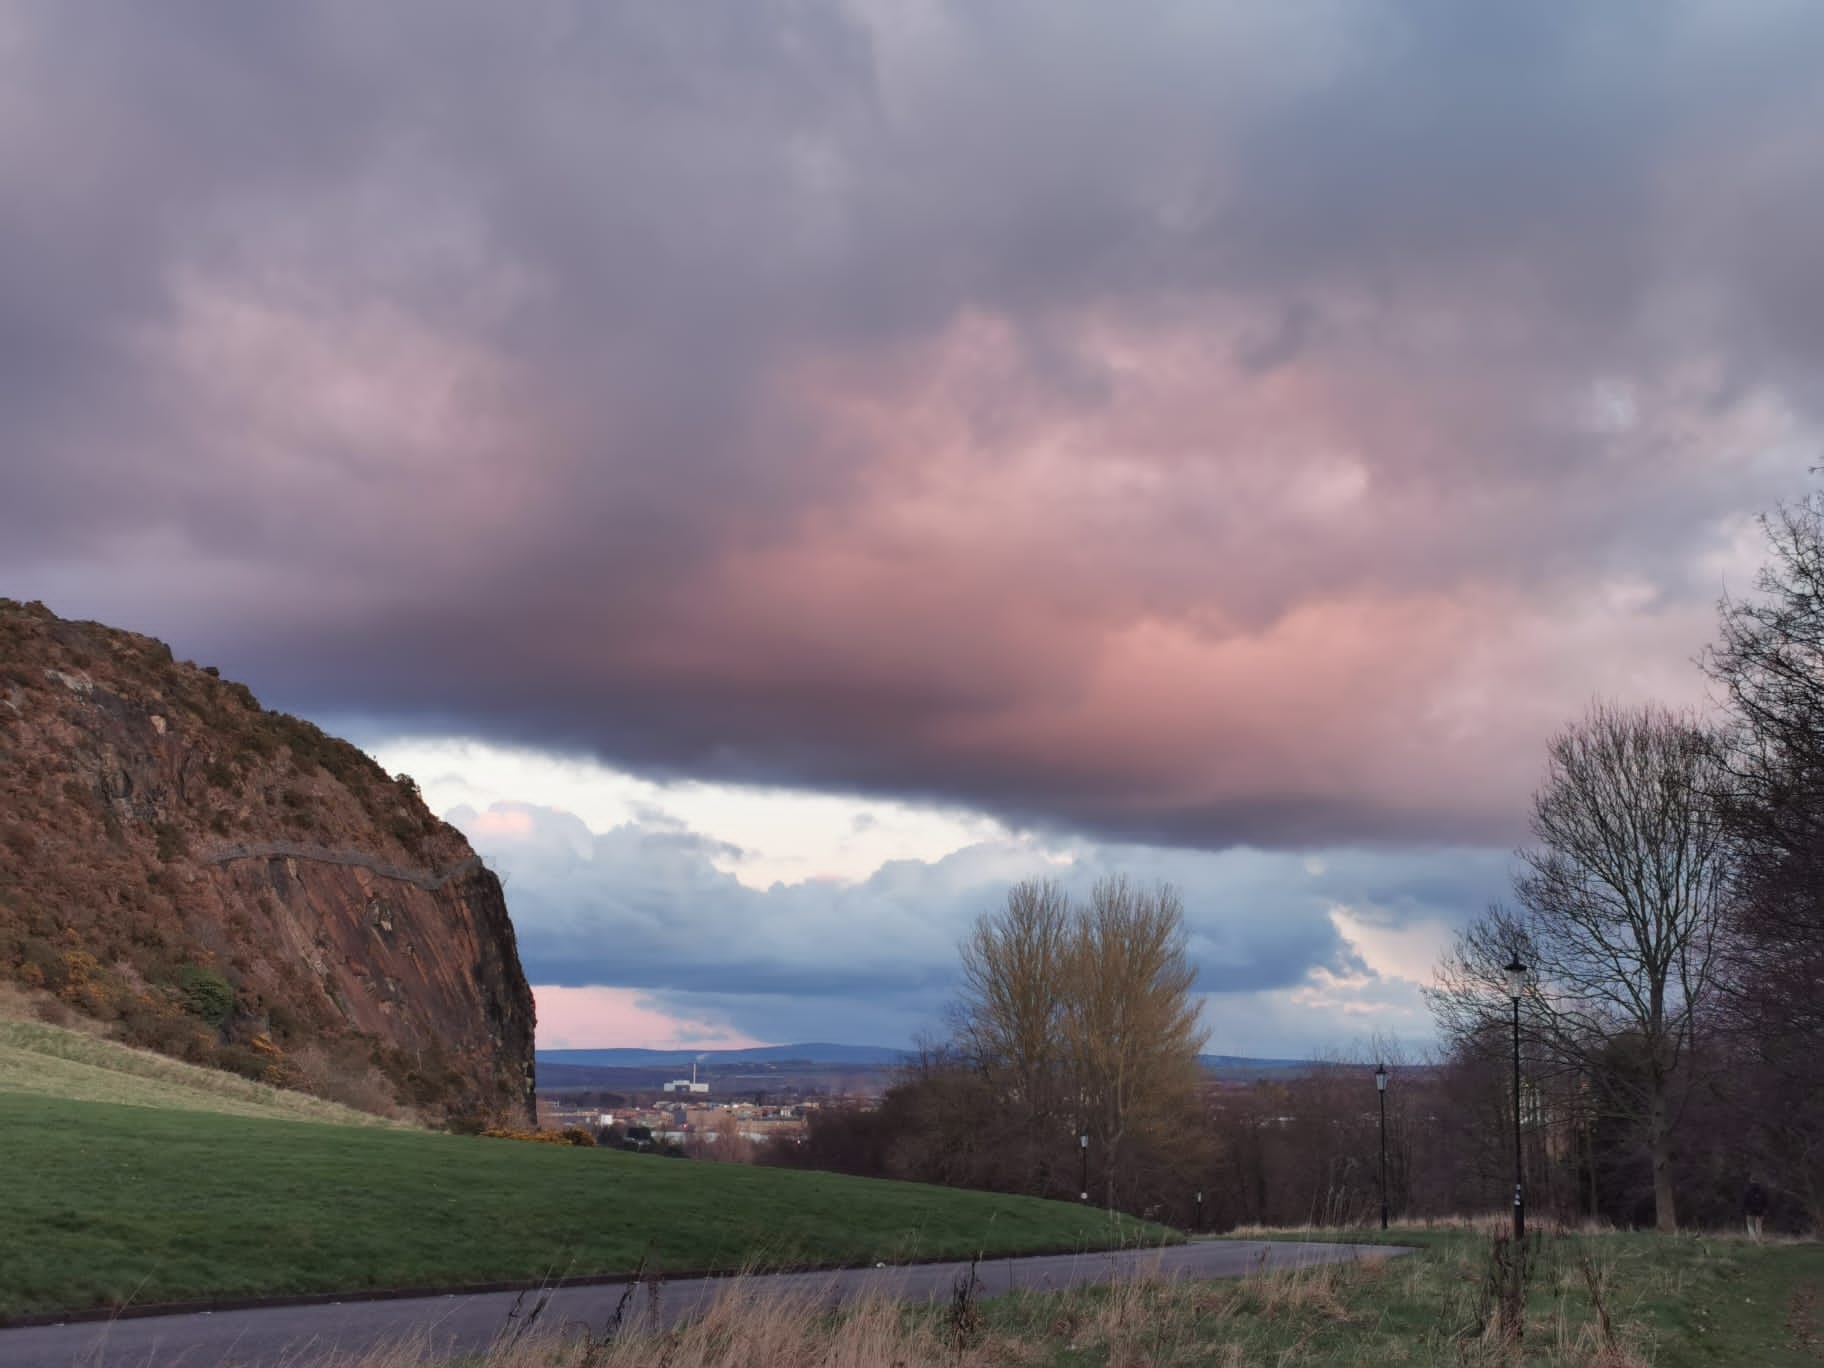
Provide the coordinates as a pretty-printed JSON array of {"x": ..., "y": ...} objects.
[{"x": 1200, "y": 424}]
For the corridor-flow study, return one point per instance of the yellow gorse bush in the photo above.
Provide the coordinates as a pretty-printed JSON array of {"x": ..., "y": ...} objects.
[{"x": 569, "y": 1135}]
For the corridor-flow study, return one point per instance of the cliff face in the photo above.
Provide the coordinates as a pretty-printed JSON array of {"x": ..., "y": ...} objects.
[{"x": 233, "y": 886}]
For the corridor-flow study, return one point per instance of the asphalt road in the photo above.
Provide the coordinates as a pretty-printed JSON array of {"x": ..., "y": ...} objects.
[{"x": 444, "y": 1326}]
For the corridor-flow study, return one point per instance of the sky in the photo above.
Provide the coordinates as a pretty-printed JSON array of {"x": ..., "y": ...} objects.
[{"x": 779, "y": 471}]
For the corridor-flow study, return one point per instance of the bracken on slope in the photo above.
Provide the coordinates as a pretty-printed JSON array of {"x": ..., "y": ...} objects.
[{"x": 232, "y": 886}]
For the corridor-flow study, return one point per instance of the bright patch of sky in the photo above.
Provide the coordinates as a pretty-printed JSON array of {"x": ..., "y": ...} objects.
[
  {"x": 774, "y": 835},
  {"x": 703, "y": 915}
]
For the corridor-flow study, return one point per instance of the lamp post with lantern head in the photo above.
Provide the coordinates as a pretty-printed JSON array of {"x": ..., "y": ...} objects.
[
  {"x": 1516, "y": 989},
  {"x": 1380, "y": 1088}
]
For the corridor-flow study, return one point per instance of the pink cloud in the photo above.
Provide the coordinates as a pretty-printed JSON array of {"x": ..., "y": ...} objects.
[
  {"x": 608, "y": 1018},
  {"x": 1176, "y": 427}
]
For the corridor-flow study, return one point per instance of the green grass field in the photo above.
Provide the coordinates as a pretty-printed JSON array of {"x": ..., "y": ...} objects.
[
  {"x": 108, "y": 1205},
  {"x": 53, "y": 1062}
]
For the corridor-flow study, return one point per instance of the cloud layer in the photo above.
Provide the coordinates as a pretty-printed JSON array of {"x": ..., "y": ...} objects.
[
  {"x": 636, "y": 935},
  {"x": 1205, "y": 424}
]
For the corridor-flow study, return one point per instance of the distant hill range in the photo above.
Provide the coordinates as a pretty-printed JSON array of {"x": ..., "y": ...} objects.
[
  {"x": 816, "y": 1052},
  {"x": 1244, "y": 1066},
  {"x": 607, "y": 1067}
]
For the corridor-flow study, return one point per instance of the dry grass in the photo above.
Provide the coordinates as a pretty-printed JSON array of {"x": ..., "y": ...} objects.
[
  {"x": 1376, "y": 1311},
  {"x": 55, "y": 1061}
]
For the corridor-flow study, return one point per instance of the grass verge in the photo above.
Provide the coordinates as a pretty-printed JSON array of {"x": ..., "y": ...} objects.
[
  {"x": 1674, "y": 1302},
  {"x": 112, "y": 1205},
  {"x": 1417, "y": 1309},
  {"x": 1700, "y": 1298}
]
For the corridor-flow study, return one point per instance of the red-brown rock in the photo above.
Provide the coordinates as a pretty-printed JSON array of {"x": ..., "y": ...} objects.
[{"x": 161, "y": 833}]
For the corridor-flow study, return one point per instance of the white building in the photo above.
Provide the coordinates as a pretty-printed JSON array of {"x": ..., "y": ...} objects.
[{"x": 687, "y": 1085}]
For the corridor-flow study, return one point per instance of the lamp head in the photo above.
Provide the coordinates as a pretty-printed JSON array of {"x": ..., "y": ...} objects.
[
  {"x": 1380, "y": 1077},
  {"x": 1516, "y": 978}
]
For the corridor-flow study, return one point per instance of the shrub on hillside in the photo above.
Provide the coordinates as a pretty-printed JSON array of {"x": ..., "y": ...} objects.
[
  {"x": 206, "y": 993},
  {"x": 241, "y": 1060},
  {"x": 569, "y": 1135},
  {"x": 155, "y": 1025},
  {"x": 74, "y": 972},
  {"x": 279, "y": 1072}
]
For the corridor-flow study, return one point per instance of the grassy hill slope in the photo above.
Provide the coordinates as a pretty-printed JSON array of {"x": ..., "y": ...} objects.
[
  {"x": 54, "y": 1062},
  {"x": 131, "y": 1205}
]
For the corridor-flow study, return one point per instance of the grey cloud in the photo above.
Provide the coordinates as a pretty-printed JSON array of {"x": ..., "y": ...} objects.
[
  {"x": 458, "y": 363},
  {"x": 645, "y": 909}
]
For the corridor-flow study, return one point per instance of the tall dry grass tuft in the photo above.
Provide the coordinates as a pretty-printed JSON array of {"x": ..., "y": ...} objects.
[
  {"x": 741, "y": 1327},
  {"x": 1336, "y": 1315},
  {"x": 1312, "y": 1288}
]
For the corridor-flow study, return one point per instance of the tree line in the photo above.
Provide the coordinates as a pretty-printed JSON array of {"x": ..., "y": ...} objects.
[
  {"x": 1669, "y": 919},
  {"x": 1670, "y": 915}
]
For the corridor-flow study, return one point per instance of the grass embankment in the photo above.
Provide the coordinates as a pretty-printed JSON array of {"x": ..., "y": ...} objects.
[
  {"x": 110, "y": 1205},
  {"x": 53, "y": 1062}
]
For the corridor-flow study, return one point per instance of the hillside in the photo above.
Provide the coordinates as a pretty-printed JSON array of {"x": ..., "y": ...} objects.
[
  {"x": 233, "y": 887},
  {"x": 51, "y": 1061},
  {"x": 139, "y": 1205}
]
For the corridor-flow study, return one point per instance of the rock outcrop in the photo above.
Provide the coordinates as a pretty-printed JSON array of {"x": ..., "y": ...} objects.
[{"x": 233, "y": 886}]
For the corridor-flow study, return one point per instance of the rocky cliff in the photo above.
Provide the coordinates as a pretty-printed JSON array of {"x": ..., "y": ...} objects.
[{"x": 233, "y": 886}]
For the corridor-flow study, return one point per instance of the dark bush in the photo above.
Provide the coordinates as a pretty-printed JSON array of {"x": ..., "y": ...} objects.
[
  {"x": 243, "y": 1061},
  {"x": 206, "y": 993},
  {"x": 158, "y": 1026}
]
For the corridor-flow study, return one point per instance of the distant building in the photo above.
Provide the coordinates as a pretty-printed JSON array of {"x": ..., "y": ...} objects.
[{"x": 687, "y": 1085}]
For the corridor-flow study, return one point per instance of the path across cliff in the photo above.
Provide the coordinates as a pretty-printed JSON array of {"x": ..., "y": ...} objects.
[{"x": 429, "y": 880}]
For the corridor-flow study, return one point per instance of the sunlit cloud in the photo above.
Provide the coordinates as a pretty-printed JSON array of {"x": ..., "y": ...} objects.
[{"x": 580, "y": 1018}]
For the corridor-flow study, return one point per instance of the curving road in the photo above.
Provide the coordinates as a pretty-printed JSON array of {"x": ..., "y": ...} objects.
[{"x": 445, "y": 1326}]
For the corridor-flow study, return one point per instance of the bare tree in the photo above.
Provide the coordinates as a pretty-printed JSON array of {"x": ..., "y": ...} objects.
[
  {"x": 1129, "y": 1019},
  {"x": 1619, "y": 917},
  {"x": 1770, "y": 666},
  {"x": 1770, "y": 663},
  {"x": 1016, "y": 975},
  {"x": 1081, "y": 1017},
  {"x": 1015, "y": 969}
]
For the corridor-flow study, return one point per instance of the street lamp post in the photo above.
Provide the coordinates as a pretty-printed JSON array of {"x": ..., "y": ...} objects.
[
  {"x": 1516, "y": 987},
  {"x": 1083, "y": 1148},
  {"x": 1380, "y": 1087}
]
